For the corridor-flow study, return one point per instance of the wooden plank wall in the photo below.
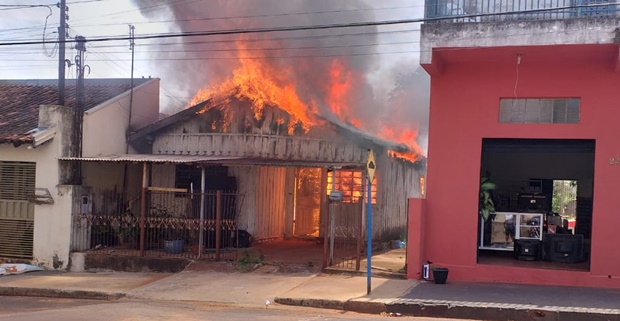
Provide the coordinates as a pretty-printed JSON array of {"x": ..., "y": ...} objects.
[
  {"x": 258, "y": 145},
  {"x": 398, "y": 181}
]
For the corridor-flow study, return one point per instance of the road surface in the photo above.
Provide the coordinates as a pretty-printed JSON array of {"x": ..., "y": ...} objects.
[{"x": 45, "y": 309}]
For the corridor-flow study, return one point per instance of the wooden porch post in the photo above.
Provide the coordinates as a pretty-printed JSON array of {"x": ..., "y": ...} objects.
[
  {"x": 218, "y": 224},
  {"x": 143, "y": 206},
  {"x": 201, "y": 235}
]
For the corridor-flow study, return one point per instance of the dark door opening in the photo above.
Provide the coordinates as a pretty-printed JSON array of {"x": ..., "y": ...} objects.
[{"x": 541, "y": 192}]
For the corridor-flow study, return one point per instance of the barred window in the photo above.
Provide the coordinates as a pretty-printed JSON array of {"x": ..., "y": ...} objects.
[
  {"x": 17, "y": 181},
  {"x": 350, "y": 183},
  {"x": 539, "y": 111}
]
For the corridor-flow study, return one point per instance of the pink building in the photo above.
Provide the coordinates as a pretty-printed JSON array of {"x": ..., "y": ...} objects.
[{"x": 523, "y": 100}]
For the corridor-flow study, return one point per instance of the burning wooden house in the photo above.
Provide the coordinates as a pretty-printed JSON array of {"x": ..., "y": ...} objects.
[{"x": 282, "y": 164}]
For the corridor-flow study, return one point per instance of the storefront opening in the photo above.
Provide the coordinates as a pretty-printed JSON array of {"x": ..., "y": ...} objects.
[{"x": 541, "y": 194}]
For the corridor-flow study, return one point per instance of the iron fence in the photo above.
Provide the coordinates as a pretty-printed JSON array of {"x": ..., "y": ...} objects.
[
  {"x": 174, "y": 224},
  {"x": 500, "y": 10}
]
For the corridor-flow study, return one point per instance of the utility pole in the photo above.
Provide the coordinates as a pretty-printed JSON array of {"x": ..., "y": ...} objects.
[
  {"x": 62, "y": 33},
  {"x": 132, "y": 46},
  {"x": 76, "y": 144}
]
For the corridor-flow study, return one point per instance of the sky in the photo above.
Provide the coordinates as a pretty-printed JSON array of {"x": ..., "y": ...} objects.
[{"x": 387, "y": 56}]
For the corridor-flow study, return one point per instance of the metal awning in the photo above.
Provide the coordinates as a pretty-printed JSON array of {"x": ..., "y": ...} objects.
[{"x": 213, "y": 161}]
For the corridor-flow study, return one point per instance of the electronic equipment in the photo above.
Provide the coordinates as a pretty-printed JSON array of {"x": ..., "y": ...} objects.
[
  {"x": 527, "y": 250},
  {"x": 532, "y": 202},
  {"x": 564, "y": 248}
]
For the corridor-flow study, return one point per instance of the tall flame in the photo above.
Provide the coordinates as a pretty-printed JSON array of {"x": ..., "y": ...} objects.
[
  {"x": 264, "y": 84},
  {"x": 259, "y": 83},
  {"x": 341, "y": 81}
]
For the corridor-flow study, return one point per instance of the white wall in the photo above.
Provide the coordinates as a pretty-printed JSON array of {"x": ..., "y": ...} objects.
[
  {"x": 52, "y": 223},
  {"x": 104, "y": 134},
  {"x": 105, "y": 126}
]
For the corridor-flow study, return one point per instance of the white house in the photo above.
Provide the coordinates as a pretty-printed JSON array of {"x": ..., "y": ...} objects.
[{"x": 36, "y": 202}]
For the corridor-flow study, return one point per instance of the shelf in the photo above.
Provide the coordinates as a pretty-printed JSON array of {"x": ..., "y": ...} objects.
[
  {"x": 510, "y": 226},
  {"x": 496, "y": 248}
]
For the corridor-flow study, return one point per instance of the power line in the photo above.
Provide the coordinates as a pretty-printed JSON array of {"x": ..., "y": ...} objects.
[
  {"x": 5, "y": 7},
  {"x": 274, "y": 49},
  {"x": 310, "y": 27},
  {"x": 262, "y": 16},
  {"x": 144, "y": 9}
]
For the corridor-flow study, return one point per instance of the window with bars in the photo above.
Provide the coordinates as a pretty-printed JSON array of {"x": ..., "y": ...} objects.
[
  {"x": 350, "y": 183},
  {"x": 17, "y": 180},
  {"x": 539, "y": 111}
]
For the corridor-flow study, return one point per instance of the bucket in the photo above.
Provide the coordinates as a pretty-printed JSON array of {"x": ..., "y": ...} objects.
[
  {"x": 174, "y": 247},
  {"x": 440, "y": 275}
]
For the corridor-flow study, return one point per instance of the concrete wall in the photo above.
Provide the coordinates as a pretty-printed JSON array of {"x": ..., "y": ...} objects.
[
  {"x": 465, "y": 109},
  {"x": 451, "y": 36}
]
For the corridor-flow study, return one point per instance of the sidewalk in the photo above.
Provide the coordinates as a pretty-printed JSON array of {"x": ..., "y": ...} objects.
[{"x": 335, "y": 291}]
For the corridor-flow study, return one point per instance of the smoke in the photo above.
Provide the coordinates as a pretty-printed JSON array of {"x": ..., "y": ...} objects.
[
  {"x": 316, "y": 61},
  {"x": 292, "y": 47}
]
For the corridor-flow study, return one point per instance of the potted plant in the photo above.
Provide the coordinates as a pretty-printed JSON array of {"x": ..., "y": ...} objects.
[
  {"x": 486, "y": 205},
  {"x": 486, "y": 208},
  {"x": 164, "y": 235},
  {"x": 440, "y": 275}
]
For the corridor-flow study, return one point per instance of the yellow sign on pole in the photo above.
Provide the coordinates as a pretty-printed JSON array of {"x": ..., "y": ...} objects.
[{"x": 371, "y": 165}]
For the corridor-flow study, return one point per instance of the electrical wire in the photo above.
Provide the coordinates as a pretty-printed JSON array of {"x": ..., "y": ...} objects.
[
  {"x": 53, "y": 52},
  {"x": 303, "y": 28},
  {"x": 261, "y": 16}
]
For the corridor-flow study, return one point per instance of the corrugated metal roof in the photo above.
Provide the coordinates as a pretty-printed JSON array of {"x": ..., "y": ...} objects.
[{"x": 211, "y": 160}]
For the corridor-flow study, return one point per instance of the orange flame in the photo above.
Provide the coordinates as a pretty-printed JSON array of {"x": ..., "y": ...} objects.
[
  {"x": 406, "y": 137},
  {"x": 350, "y": 183},
  {"x": 266, "y": 84},
  {"x": 258, "y": 82},
  {"x": 341, "y": 81}
]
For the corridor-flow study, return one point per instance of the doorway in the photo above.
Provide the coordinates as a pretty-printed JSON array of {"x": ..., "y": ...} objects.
[
  {"x": 541, "y": 191},
  {"x": 307, "y": 213}
]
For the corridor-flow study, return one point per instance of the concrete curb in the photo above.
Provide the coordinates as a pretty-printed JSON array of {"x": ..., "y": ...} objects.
[
  {"x": 312, "y": 303},
  {"x": 454, "y": 310},
  {"x": 375, "y": 274},
  {"x": 370, "y": 307},
  {"x": 499, "y": 311},
  {"x": 58, "y": 293}
]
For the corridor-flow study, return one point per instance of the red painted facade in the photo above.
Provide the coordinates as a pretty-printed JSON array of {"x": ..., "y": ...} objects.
[{"x": 466, "y": 87}]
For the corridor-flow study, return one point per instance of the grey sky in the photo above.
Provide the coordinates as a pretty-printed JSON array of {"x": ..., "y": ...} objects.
[{"x": 383, "y": 58}]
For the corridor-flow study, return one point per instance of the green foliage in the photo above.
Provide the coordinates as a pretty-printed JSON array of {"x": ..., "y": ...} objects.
[
  {"x": 248, "y": 261},
  {"x": 486, "y": 205},
  {"x": 564, "y": 192}
]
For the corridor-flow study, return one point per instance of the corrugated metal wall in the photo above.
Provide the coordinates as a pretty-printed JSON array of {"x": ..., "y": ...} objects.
[{"x": 264, "y": 207}]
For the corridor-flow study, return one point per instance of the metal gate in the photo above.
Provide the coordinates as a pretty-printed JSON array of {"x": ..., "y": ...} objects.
[
  {"x": 17, "y": 181},
  {"x": 345, "y": 237}
]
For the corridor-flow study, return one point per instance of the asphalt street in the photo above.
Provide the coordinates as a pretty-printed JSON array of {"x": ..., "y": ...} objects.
[{"x": 45, "y": 309}]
